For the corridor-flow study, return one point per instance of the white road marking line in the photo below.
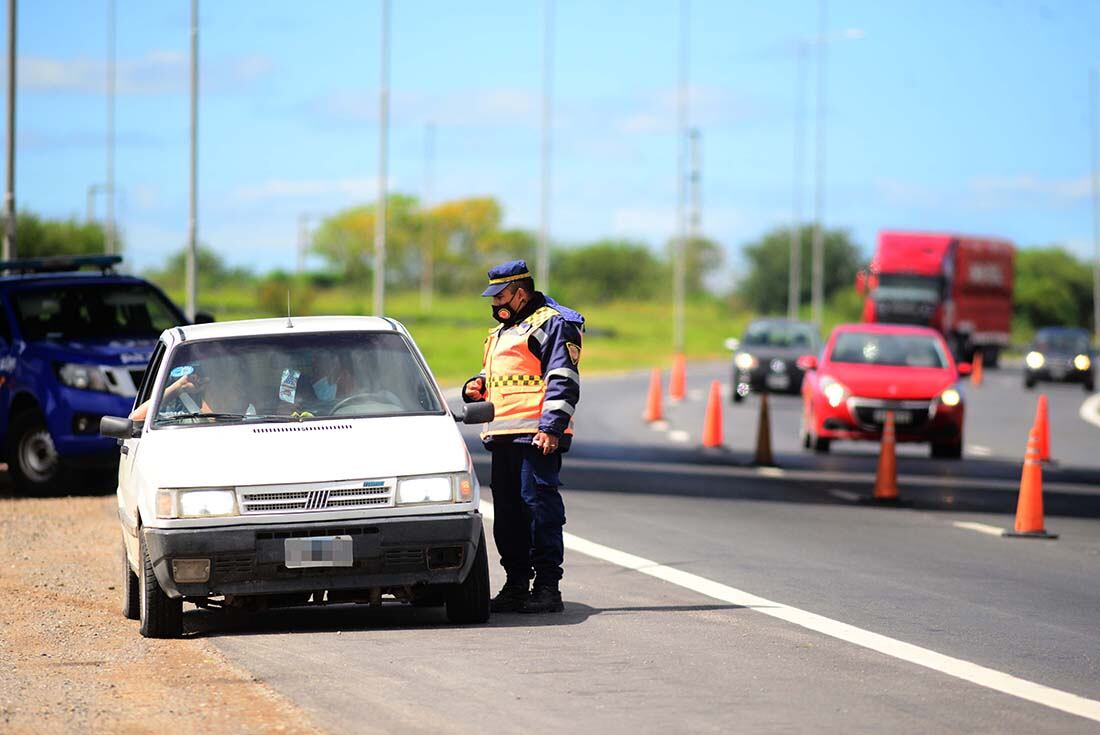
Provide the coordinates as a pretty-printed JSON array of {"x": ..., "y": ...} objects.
[
  {"x": 979, "y": 527},
  {"x": 1090, "y": 409},
  {"x": 659, "y": 426},
  {"x": 695, "y": 394},
  {"x": 678, "y": 435},
  {"x": 845, "y": 495},
  {"x": 967, "y": 671},
  {"x": 770, "y": 471},
  {"x": 978, "y": 450}
]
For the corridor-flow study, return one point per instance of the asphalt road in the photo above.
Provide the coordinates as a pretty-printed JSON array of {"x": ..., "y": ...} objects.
[{"x": 663, "y": 644}]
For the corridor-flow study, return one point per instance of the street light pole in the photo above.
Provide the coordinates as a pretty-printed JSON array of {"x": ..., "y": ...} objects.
[
  {"x": 427, "y": 277},
  {"x": 1094, "y": 127},
  {"x": 543, "y": 270},
  {"x": 109, "y": 224},
  {"x": 383, "y": 132},
  {"x": 678, "y": 269},
  {"x": 192, "y": 220},
  {"x": 9, "y": 250},
  {"x": 818, "y": 287},
  {"x": 794, "y": 284}
]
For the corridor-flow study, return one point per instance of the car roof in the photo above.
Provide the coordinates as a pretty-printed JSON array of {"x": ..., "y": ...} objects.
[
  {"x": 782, "y": 321},
  {"x": 879, "y": 328},
  {"x": 66, "y": 278},
  {"x": 279, "y": 325},
  {"x": 1063, "y": 330}
]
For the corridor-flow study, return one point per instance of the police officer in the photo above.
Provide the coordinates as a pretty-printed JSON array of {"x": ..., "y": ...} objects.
[{"x": 530, "y": 373}]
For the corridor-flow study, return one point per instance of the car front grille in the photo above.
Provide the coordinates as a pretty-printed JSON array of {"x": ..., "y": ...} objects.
[
  {"x": 306, "y": 499},
  {"x": 869, "y": 413}
]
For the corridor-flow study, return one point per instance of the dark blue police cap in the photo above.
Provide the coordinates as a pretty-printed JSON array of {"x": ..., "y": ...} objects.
[{"x": 500, "y": 276}]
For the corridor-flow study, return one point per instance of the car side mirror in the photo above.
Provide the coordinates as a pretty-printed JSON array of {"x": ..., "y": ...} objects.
[
  {"x": 732, "y": 344},
  {"x": 965, "y": 368},
  {"x": 117, "y": 427},
  {"x": 204, "y": 317},
  {"x": 479, "y": 412},
  {"x": 807, "y": 362}
]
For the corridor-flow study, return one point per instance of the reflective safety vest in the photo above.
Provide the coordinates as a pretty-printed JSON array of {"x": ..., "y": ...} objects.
[{"x": 513, "y": 376}]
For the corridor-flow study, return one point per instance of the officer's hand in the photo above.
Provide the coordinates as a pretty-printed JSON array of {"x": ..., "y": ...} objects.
[
  {"x": 548, "y": 443},
  {"x": 475, "y": 389}
]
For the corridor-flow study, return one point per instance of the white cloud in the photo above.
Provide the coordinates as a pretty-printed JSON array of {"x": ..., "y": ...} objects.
[
  {"x": 483, "y": 108},
  {"x": 157, "y": 72},
  {"x": 708, "y": 107},
  {"x": 1063, "y": 190},
  {"x": 281, "y": 189}
]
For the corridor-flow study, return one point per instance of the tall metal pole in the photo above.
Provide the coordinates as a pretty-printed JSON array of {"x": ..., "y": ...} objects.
[
  {"x": 818, "y": 287},
  {"x": 303, "y": 242},
  {"x": 543, "y": 269},
  {"x": 383, "y": 149},
  {"x": 794, "y": 284},
  {"x": 109, "y": 224},
  {"x": 695, "y": 181},
  {"x": 1094, "y": 127},
  {"x": 678, "y": 270},
  {"x": 9, "y": 250},
  {"x": 427, "y": 277},
  {"x": 193, "y": 218}
]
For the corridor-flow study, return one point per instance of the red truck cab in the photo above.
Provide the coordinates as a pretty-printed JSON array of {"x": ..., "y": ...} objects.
[{"x": 958, "y": 284}]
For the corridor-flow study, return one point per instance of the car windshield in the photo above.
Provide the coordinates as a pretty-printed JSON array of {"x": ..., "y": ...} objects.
[
  {"x": 294, "y": 377},
  {"x": 907, "y": 287},
  {"x": 872, "y": 348},
  {"x": 1062, "y": 342},
  {"x": 779, "y": 334},
  {"x": 93, "y": 311}
]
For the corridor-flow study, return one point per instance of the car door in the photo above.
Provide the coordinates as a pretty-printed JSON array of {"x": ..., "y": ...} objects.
[
  {"x": 7, "y": 369},
  {"x": 127, "y": 494}
]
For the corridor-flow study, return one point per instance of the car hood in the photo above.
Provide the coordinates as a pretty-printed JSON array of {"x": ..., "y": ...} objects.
[
  {"x": 891, "y": 382},
  {"x": 128, "y": 352},
  {"x": 311, "y": 451}
]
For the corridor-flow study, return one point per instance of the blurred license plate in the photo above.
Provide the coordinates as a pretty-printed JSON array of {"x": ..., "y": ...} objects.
[
  {"x": 900, "y": 417},
  {"x": 1057, "y": 371},
  {"x": 778, "y": 382},
  {"x": 318, "y": 551}
]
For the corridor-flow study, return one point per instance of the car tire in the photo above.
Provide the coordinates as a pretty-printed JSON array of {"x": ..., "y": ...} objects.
[
  {"x": 468, "y": 602},
  {"x": 1090, "y": 386},
  {"x": 131, "y": 597},
  {"x": 33, "y": 463},
  {"x": 160, "y": 615},
  {"x": 953, "y": 450},
  {"x": 822, "y": 445},
  {"x": 1029, "y": 383}
]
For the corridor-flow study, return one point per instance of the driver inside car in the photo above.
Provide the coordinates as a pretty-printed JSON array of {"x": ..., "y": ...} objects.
[{"x": 188, "y": 390}]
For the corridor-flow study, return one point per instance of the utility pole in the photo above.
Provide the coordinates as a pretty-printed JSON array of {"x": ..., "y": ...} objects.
[
  {"x": 1094, "y": 128},
  {"x": 794, "y": 285},
  {"x": 9, "y": 250},
  {"x": 383, "y": 131},
  {"x": 543, "y": 269},
  {"x": 89, "y": 213},
  {"x": 109, "y": 224},
  {"x": 818, "y": 287},
  {"x": 695, "y": 217},
  {"x": 427, "y": 276},
  {"x": 681, "y": 185},
  {"x": 192, "y": 220}
]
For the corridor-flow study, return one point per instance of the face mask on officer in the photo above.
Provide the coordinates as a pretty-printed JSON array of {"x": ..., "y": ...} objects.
[{"x": 505, "y": 312}]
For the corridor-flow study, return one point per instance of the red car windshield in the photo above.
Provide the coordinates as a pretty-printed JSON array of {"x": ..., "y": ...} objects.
[{"x": 875, "y": 348}]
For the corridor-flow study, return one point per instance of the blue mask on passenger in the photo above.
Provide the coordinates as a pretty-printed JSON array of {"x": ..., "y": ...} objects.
[{"x": 324, "y": 389}]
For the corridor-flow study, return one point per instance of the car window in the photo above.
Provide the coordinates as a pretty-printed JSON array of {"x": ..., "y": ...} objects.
[
  {"x": 779, "y": 335},
  {"x": 5, "y": 325},
  {"x": 145, "y": 390},
  {"x": 872, "y": 348},
  {"x": 1062, "y": 342},
  {"x": 302, "y": 376},
  {"x": 93, "y": 311}
]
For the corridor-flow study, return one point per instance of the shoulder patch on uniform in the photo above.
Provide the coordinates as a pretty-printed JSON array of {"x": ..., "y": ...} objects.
[{"x": 574, "y": 352}]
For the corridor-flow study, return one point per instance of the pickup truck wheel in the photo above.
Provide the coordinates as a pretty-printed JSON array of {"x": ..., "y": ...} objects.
[
  {"x": 130, "y": 595},
  {"x": 35, "y": 467},
  {"x": 160, "y": 615},
  {"x": 469, "y": 602}
]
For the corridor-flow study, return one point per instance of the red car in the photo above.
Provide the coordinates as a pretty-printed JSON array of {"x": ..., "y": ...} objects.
[{"x": 866, "y": 370}]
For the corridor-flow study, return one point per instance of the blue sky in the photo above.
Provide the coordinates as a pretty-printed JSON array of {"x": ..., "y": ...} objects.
[{"x": 968, "y": 116}]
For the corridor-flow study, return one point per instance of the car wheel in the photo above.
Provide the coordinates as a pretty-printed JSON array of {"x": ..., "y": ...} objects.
[
  {"x": 36, "y": 468},
  {"x": 1029, "y": 383},
  {"x": 131, "y": 597},
  {"x": 1090, "y": 386},
  {"x": 821, "y": 444},
  {"x": 953, "y": 450},
  {"x": 468, "y": 602},
  {"x": 160, "y": 615}
]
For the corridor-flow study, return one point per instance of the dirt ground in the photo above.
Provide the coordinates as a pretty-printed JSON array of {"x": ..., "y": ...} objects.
[{"x": 69, "y": 661}]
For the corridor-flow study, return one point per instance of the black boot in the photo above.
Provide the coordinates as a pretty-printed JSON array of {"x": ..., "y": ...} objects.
[
  {"x": 543, "y": 600},
  {"x": 511, "y": 597}
]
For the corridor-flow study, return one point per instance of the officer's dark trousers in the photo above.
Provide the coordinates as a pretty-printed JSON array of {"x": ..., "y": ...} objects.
[{"x": 529, "y": 513}]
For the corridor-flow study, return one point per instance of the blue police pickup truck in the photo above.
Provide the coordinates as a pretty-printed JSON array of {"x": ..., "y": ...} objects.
[{"x": 73, "y": 348}]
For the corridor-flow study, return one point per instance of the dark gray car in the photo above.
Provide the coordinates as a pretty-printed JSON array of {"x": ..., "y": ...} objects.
[
  {"x": 1060, "y": 354},
  {"x": 765, "y": 358}
]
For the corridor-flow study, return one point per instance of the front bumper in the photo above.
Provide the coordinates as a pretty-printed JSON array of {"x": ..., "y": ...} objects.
[
  {"x": 1049, "y": 373},
  {"x": 764, "y": 378},
  {"x": 63, "y": 415},
  {"x": 856, "y": 419},
  {"x": 387, "y": 552}
]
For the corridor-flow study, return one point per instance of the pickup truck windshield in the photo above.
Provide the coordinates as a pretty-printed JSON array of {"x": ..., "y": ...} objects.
[
  {"x": 293, "y": 376},
  {"x": 871, "y": 348},
  {"x": 93, "y": 311}
]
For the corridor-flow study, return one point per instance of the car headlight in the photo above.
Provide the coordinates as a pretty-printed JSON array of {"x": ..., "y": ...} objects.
[
  {"x": 834, "y": 391},
  {"x": 745, "y": 361},
  {"x": 950, "y": 397},
  {"x": 1035, "y": 360},
  {"x": 453, "y": 488},
  {"x": 82, "y": 377},
  {"x": 1082, "y": 362},
  {"x": 198, "y": 503}
]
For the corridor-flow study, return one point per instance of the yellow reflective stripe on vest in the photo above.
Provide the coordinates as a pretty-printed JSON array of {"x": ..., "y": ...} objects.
[{"x": 498, "y": 381}]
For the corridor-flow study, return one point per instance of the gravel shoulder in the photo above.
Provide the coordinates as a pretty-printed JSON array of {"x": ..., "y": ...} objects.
[{"x": 72, "y": 663}]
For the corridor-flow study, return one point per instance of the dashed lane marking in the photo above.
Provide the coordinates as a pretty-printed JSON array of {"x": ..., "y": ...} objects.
[
  {"x": 679, "y": 436},
  {"x": 978, "y": 450},
  {"x": 771, "y": 471},
  {"x": 845, "y": 495},
  {"x": 967, "y": 671},
  {"x": 979, "y": 527}
]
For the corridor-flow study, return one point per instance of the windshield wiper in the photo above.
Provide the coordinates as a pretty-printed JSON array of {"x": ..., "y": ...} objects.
[{"x": 202, "y": 415}]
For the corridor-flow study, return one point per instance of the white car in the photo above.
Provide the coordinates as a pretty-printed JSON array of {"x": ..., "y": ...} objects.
[{"x": 286, "y": 461}]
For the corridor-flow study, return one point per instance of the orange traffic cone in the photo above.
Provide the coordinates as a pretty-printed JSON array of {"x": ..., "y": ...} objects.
[
  {"x": 712, "y": 421},
  {"x": 976, "y": 370},
  {"x": 1042, "y": 428},
  {"x": 653, "y": 400},
  {"x": 763, "y": 457},
  {"x": 1029, "y": 507},
  {"x": 677, "y": 380},
  {"x": 886, "y": 479}
]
